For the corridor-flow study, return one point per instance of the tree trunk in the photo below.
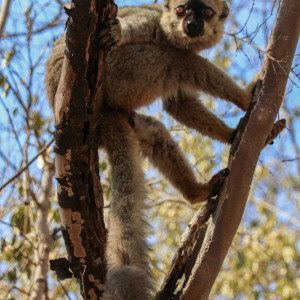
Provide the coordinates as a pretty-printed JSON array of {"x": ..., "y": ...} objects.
[{"x": 76, "y": 160}]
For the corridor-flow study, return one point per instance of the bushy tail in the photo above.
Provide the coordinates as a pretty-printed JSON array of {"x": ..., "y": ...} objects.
[{"x": 128, "y": 276}]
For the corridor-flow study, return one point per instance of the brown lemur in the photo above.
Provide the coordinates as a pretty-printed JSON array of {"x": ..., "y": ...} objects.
[{"x": 153, "y": 55}]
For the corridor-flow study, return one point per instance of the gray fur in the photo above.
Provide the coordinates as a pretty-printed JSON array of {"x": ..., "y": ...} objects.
[
  {"x": 163, "y": 153},
  {"x": 128, "y": 264},
  {"x": 151, "y": 58}
]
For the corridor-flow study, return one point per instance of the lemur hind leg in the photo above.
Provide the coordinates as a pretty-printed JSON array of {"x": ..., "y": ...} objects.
[
  {"x": 128, "y": 276},
  {"x": 159, "y": 147},
  {"x": 189, "y": 110}
]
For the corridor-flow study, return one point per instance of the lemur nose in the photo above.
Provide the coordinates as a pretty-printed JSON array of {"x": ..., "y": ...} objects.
[{"x": 194, "y": 27}]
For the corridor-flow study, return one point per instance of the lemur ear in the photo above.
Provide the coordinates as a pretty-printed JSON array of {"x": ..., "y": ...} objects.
[{"x": 225, "y": 10}]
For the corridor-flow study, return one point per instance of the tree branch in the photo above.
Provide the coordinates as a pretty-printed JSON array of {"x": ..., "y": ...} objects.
[
  {"x": 256, "y": 130},
  {"x": 190, "y": 239},
  {"x": 26, "y": 166},
  {"x": 4, "y": 14},
  {"x": 245, "y": 151}
]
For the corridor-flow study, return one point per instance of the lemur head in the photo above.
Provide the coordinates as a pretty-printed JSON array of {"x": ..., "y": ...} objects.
[{"x": 194, "y": 24}]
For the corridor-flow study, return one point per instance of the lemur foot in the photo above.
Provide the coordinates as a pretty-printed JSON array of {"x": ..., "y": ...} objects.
[
  {"x": 217, "y": 182},
  {"x": 208, "y": 190},
  {"x": 110, "y": 34},
  {"x": 277, "y": 128}
]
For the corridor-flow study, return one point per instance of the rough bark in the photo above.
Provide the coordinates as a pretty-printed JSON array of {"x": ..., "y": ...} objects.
[
  {"x": 250, "y": 141},
  {"x": 194, "y": 234},
  {"x": 76, "y": 160}
]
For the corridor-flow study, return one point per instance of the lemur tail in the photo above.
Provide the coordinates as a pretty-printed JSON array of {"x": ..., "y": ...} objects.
[{"x": 128, "y": 276}]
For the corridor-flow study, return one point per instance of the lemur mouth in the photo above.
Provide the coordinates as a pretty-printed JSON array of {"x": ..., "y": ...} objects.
[{"x": 194, "y": 34}]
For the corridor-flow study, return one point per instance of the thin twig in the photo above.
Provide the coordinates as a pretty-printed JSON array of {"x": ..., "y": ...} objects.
[
  {"x": 292, "y": 159},
  {"x": 12, "y": 124},
  {"x": 64, "y": 289},
  {"x": 275, "y": 209},
  {"x": 251, "y": 44},
  {"x": 264, "y": 52},
  {"x": 177, "y": 201},
  {"x": 14, "y": 287},
  {"x": 25, "y": 167}
]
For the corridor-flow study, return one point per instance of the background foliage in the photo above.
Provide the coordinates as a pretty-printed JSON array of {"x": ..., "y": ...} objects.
[{"x": 264, "y": 260}]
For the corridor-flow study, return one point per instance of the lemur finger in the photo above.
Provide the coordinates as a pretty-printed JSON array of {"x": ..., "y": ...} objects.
[
  {"x": 110, "y": 34},
  {"x": 221, "y": 174},
  {"x": 107, "y": 41},
  {"x": 110, "y": 22},
  {"x": 109, "y": 25}
]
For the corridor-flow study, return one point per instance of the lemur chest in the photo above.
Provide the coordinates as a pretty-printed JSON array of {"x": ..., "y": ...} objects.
[{"x": 135, "y": 76}]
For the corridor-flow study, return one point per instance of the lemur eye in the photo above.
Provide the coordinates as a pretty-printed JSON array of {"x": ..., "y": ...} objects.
[
  {"x": 208, "y": 12},
  {"x": 180, "y": 11}
]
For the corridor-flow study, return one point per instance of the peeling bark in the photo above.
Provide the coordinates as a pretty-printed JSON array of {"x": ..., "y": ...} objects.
[
  {"x": 76, "y": 160},
  {"x": 194, "y": 234}
]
